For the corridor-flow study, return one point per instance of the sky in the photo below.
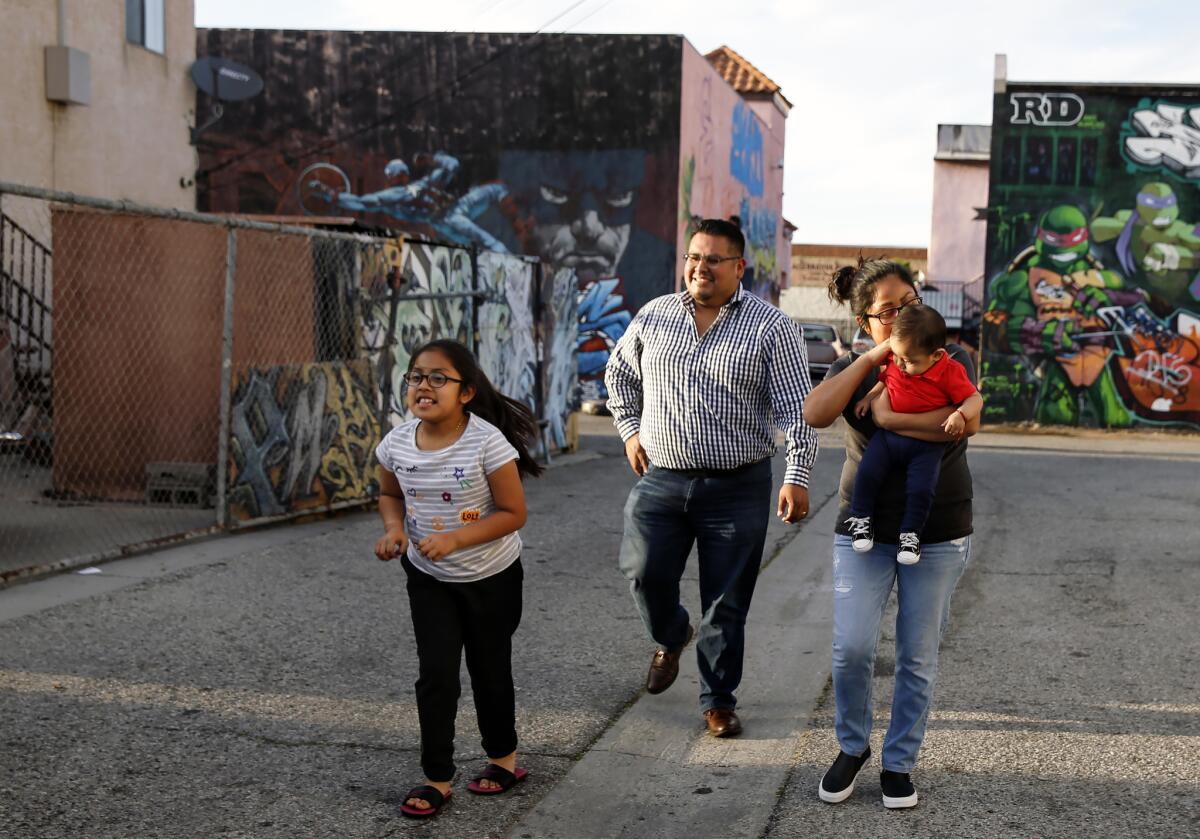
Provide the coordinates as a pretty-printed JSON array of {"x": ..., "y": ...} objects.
[{"x": 869, "y": 80}]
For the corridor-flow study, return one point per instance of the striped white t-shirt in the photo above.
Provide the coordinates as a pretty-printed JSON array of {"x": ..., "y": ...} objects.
[{"x": 447, "y": 489}]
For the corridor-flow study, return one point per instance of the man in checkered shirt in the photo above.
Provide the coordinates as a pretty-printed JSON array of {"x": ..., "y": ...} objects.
[{"x": 697, "y": 386}]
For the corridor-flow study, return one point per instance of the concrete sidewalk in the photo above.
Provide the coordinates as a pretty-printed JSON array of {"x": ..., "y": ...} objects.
[{"x": 656, "y": 773}]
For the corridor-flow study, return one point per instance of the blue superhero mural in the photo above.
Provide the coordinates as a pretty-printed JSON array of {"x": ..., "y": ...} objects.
[{"x": 324, "y": 188}]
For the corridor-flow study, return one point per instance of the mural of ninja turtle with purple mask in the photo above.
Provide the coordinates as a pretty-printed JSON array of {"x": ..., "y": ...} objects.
[{"x": 1155, "y": 246}]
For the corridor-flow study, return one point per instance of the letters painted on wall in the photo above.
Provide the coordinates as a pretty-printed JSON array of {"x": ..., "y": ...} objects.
[
  {"x": 301, "y": 438},
  {"x": 524, "y": 335}
]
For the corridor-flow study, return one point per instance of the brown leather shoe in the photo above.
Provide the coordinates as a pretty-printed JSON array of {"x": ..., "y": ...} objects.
[
  {"x": 664, "y": 667},
  {"x": 723, "y": 722}
]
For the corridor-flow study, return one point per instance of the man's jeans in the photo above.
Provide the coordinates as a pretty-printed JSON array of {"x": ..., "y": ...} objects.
[
  {"x": 725, "y": 515},
  {"x": 861, "y": 585}
]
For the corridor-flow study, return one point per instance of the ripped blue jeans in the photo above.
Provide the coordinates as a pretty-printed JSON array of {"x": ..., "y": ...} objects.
[{"x": 861, "y": 585}]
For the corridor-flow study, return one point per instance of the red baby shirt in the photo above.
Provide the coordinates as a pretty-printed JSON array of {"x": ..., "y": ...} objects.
[{"x": 945, "y": 383}]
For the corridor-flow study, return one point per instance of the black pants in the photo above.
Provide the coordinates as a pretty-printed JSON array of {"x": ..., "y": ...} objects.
[{"x": 480, "y": 617}]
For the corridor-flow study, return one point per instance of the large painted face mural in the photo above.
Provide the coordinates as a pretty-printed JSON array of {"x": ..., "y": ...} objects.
[
  {"x": 1093, "y": 258},
  {"x": 583, "y": 205},
  {"x": 484, "y": 141}
]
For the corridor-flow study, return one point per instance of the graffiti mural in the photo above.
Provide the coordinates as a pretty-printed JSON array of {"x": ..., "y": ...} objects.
[
  {"x": 746, "y": 149},
  {"x": 525, "y": 343},
  {"x": 423, "y": 204},
  {"x": 760, "y": 226},
  {"x": 422, "y": 269},
  {"x": 603, "y": 319},
  {"x": 568, "y": 152},
  {"x": 560, "y": 369},
  {"x": 506, "y": 345},
  {"x": 1154, "y": 245},
  {"x": 583, "y": 206},
  {"x": 301, "y": 438},
  {"x": 1093, "y": 259}
]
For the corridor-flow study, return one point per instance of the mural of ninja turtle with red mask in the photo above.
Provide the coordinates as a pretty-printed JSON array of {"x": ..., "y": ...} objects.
[{"x": 1050, "y": 306}]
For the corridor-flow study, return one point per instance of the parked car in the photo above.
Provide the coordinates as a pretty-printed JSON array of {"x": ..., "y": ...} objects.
[
  {"x": 824, "y": 347},
  {"x": 862, "y": 342}
]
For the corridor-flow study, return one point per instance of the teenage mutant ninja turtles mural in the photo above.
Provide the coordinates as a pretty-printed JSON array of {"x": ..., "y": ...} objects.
[
  {"x": 1154, "y": 244},
  {"x": 1093, "y": 258}
]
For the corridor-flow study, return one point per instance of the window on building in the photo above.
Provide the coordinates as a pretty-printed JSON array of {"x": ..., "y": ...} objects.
[
  {"x": 1089, "y": 155},
  {"x": 145, "y": 24},
  {"x": 1064, "y": 174},
  {"x": 1038, "y": 159},
  {"x": 1010, "y": 161}
]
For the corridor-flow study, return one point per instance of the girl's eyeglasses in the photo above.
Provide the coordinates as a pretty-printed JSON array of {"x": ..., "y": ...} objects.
[
  {"x": 889, "y": 315},
  {"x": 436, "y": 380}
]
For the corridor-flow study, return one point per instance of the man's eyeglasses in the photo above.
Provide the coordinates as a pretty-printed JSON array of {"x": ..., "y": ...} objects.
[
  {"x": 709, "y": 259},
  {"x": 889, "y": 315},
  {"x": 435, "y": 379}
]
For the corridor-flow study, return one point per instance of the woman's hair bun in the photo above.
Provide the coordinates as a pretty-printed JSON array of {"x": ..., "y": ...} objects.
[{"x": 842, "y": 283}]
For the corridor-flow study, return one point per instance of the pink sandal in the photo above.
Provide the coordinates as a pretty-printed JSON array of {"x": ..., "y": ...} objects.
[
  {"x": 498, "y": 775},
  {"x": 437, "y": 800}
]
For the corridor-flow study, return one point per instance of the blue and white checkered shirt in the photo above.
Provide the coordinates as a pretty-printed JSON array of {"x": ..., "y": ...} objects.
[{"x": 713, "y": 401}]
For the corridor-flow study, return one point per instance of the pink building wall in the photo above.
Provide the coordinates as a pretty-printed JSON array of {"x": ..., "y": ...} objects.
[
  {"x": 956, "y": 244},
  {"x": 729, "y": 165}
]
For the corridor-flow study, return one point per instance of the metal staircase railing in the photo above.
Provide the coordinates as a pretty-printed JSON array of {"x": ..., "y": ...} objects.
[{"x": 25, "y": 287}]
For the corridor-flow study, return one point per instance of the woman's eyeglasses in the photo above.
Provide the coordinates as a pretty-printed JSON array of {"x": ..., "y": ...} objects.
[
  {"x": 436, "y": 380},
  {"x": 888, "y": 316}
]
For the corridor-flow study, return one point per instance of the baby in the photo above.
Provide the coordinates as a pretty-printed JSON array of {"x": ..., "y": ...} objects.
[{"x": 919, "y": 376}]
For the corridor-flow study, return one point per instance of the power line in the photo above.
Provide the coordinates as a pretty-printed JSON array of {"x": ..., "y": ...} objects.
[
  {"x": 324, "y": 145},
  {"x": 394, "y": 68},
  {"x": 599, "y": 8}
]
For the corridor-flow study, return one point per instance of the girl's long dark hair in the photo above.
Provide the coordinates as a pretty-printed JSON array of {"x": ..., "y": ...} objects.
[{"x": 515, "y": 421}]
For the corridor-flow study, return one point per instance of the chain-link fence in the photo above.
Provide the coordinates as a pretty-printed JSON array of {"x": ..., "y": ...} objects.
[{"x": 165, "y": 373}]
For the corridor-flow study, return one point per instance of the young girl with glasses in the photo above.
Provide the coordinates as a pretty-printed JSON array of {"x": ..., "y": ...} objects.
[{"x": 452, "y": 503}]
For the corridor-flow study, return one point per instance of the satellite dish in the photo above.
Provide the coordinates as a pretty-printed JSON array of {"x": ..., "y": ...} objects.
[{"x": 225, "y": 80}]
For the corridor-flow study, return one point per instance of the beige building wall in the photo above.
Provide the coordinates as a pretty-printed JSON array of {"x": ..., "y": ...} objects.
[
  {"x": 813, "y": 265},
  {"x": 956, "y": 243},
  {"x": 131, "y": 141}
]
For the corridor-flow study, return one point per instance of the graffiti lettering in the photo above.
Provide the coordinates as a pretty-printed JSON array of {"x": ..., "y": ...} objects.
[
  {"x": 1169, "y": 136},
  {"x": 560, "y": 373},
  {"x": 506, "y": 349},
  {"x": 302, "y": 437},
  {"x": 311, "y": 432},
  {"x": 259, "y": 443},
  {"x": 423, "y": 269},
  {"x": 1051, "y": 293},
  {"x": 1046, "y": 108},
  {"x": 746, "y": 151},
  {"x": 1167, "y": 370}
]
